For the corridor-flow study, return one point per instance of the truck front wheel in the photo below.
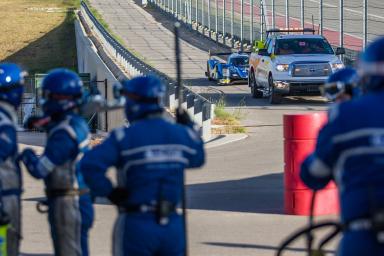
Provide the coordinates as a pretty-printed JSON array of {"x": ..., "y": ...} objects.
[
  {"x": 274, "y": 98},
  {"x": 256, "y": 93}
]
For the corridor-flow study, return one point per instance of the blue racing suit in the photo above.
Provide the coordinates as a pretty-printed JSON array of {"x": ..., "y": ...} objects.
[
  {"x": 350, "y": 150},
  {"x": 150, "y": 156},
  {"x": 10, "y": 176},
  {"x": 70, "y": 211}
]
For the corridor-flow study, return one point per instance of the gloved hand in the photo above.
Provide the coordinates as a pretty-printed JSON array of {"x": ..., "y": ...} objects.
[
  {"x": 182, "y": 117},
  {"x": 34, "y": 122},
  {"x": 30, "y": 160},
  {"x": 26, "y": 156},
  {"x": 118, "y": 195}
]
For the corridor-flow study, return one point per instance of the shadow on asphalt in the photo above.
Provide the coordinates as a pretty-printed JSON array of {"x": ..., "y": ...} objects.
[
  {"x": 245, "y": 100},
  {"x": 36, "y": 254},
  {"x": 262, "y": 194},
  {"x": 257, "y": 246}
]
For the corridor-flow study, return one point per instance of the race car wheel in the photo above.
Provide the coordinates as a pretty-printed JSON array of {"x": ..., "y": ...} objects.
[
  {"x": 254, "y": 91},
  {"x": 209, "y": 73},
  {"x": 274, "y": 98}
]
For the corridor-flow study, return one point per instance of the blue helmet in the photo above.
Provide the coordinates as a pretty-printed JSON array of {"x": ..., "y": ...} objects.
[
  {"x": 62, "y": 91},
  {"x": 343, "y": 81},
  {"x": 11, "y": 83},
  {"x": 371, "y": 66},
  {"x": 143, "y": 96}
]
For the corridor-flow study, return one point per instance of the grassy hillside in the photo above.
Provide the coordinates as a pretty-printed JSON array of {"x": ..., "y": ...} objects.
[{"x": 38, "y": 34}]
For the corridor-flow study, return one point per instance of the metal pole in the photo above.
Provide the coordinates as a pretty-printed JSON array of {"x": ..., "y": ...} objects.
[
  {"x": 302, "y": 13},
  {"x": 273, "y": 14},
  {"x": 172, "y": 10},
  {"x": 287, "y": 13},
  {"x": 168, "y": 5},
  {"x": 261, "y": 20},
  {"x": 209, "y": 17},
  {"x": 341, "y": 23},
  {"x": 202, "y": 15},
  {"x": 321, "y": 17},
  {"x": 179, "y": 92},
  {"x": 365, "y": 27},
  {"x": 106, "y": 96},
  {"x": 241, "y": 24},
  {"x": 197, "y": 11},
  {"x": 232, "y": 17},
  {"x": 224, "y": 21},
  {"x": 217, "y": 20},
  {"x": 251, "y": 22}
]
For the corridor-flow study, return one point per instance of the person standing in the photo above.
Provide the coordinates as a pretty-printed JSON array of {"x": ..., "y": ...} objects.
[
  {"x": 350, "y": 150},
  {"x": 70, "y": 211},
  {"x": 11, "y": 91},
  {"x": 150, "y": 156}
]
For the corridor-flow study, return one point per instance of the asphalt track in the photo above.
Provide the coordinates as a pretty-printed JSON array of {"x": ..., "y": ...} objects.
[{"x": 235, "y": 203}]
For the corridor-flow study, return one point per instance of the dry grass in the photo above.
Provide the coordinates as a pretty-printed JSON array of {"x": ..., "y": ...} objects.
[
  {"x": 38, "y": 34},
  {"x": 227, "y": 122}
]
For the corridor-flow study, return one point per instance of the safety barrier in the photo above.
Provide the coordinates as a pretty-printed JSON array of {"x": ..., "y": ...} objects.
[
  {"x": 300, "y": 136},
  {"x": 238, "y": 23},
  {"x": 199, "y": 107}
]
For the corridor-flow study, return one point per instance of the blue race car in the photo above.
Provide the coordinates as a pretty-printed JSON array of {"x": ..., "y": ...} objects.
[{"x": 234, "y": 70}]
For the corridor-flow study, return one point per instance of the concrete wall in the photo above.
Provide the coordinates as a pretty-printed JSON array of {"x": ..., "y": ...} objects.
[{"x": 89, "y": 61}]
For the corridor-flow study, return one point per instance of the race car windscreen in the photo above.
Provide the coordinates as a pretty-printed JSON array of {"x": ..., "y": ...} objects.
[
  {"x": 303, "y": 46},
  {"x": 242, "y": 61}
]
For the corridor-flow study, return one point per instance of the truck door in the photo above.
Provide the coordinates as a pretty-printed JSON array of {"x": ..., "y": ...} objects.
[{"x": 264, "y": 65}]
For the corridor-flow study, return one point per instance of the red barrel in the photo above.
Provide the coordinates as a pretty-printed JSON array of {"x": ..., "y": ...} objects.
[{"x": 300, "y": 135}]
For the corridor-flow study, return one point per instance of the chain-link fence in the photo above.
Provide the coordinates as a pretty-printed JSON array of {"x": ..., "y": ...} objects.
[
  {"x": 346, "y": 23},
  {"x": 31, "y": 97}
]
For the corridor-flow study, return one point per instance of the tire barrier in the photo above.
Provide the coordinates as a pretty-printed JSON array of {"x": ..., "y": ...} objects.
[
  {"x": 300, "y": 135},
  {"x": 124, "y": 62}
]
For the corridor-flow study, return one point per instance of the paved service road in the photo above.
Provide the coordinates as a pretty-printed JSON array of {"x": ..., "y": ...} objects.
[{"x": 236, "y": 200}]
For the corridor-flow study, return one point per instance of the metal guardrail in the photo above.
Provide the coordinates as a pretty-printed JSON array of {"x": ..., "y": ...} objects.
[
  {"x": 136, "y": 66},
  {"x": 239, "y": 23}
]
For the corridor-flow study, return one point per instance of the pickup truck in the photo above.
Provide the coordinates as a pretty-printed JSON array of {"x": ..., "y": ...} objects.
[{"x": 291, "y": 64}]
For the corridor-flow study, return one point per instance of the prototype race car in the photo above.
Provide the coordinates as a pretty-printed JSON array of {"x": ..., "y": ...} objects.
[{"x": 234, "y": 70}]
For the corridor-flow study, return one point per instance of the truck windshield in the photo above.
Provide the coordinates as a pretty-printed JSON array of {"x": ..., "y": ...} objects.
[
  {"x": 239, "y": 61},
  {"x": 303, "y": 46}
]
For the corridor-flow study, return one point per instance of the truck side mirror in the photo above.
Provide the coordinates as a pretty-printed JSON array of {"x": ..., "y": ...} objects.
[
  {"x": 263, "y": 52},
  {"x": 340, "y": 50}
]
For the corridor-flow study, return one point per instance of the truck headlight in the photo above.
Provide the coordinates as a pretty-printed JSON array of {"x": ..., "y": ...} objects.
[
  {"x": 225, "y": 72},
  {"x": 337, "y": 66},
  {"x": 282, "y": 67}
]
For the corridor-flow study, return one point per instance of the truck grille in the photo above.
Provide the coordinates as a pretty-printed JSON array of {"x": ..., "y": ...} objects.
[{"x": 311, "y": 69}]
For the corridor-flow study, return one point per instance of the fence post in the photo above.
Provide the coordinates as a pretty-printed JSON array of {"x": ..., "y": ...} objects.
[
  {"x": 287, "y": 13},
  {"x": 341, "y": 23},
  {"x": 217, "y": 20},
  {"x": 251, "y": 22},
  {"x": 202, "y": 15},
  {"x": 197, "y": 11},
  {"x": 321, "y": 17},
  {"x": 273, "y": 14},
  {"x": 241, "y": 24},
  {"x": 209, "y": 18},
  {"x": 232, "y": 17},
  {"x": 365, "y": 24},
  {"x": 302, "y": 13},
  {"x": 224, "y": 21},
  {"x": 261, "y": 20}
]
